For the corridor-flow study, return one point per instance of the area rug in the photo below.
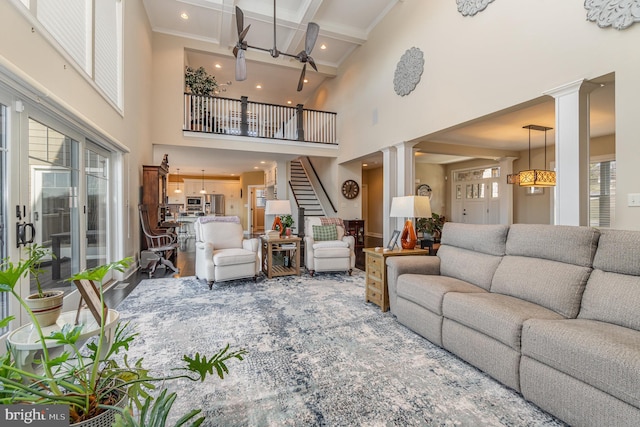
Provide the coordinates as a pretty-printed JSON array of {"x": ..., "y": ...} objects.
[{"x": 318, "y": 355}]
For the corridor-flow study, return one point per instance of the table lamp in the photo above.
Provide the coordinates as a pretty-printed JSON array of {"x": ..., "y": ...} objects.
[
  {"x": 277, "y": 208},
  {"x": 410, "y": 207}
]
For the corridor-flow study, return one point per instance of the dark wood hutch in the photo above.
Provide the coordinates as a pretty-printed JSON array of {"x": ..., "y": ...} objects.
[{"x": 154, "y": 193}]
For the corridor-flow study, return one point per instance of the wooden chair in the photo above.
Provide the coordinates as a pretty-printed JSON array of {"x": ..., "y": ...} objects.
[{"x": 162, "y": 243}]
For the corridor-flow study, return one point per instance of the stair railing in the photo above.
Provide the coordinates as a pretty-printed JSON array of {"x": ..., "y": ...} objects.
[{"x": 307, "y": 161}]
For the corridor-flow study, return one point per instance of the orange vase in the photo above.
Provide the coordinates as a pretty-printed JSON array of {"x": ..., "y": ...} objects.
[{"x": 408, "y": 239}]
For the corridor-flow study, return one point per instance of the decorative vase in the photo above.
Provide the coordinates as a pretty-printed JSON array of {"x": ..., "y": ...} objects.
[
  {"x": 46, "y": 309},
  {"x": 288, "y": 232}
]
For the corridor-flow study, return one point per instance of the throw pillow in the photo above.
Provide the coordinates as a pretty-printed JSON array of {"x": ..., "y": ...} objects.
[{"x": 324, "y": 232}]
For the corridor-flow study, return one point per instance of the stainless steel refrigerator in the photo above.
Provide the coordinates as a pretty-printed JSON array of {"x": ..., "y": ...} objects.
[{"x": 214, "y": 204}]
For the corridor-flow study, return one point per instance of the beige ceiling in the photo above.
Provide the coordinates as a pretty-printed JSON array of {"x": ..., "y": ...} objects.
[{"x": 344, "y": 25}]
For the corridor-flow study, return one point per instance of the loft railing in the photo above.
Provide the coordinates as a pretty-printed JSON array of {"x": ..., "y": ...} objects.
[{"x": 242, "y": 117}]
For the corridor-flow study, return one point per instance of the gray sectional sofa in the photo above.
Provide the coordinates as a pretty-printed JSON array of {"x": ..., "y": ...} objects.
[{"x": 550, "y": 311}]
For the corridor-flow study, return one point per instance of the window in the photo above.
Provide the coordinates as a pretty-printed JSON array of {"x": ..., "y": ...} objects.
[
  {"x": 602, "y": 192},
  {"x": 4, "y": 302},
  {"x": 90, "y": 33}
]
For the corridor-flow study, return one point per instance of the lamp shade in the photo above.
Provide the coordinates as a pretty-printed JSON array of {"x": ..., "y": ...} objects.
[
  {"x": 277, "y": 207},
  {"x": 410, "y": 207}
]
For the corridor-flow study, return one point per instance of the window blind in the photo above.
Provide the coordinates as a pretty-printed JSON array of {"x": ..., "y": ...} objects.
[
  {"x": 108, "y": 48},
  {"x": 602, "y": 191}
]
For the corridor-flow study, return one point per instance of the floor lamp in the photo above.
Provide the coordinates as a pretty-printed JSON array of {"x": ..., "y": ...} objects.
[{"x": 410, "y": 207}]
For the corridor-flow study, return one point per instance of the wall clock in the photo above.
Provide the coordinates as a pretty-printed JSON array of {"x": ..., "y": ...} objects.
[
  {"x": 350, "y": 189},
  {"x": 424, "y": 190}
]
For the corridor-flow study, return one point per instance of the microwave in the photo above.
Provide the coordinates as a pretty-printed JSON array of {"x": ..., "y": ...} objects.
[{"x": 194, "y": 203}]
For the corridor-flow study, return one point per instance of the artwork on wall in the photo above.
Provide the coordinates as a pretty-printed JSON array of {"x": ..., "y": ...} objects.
[
  {"x": 408, "y": 71},
  {"x": 471, "y": 7},
  {"x": 613, "y": 13}
]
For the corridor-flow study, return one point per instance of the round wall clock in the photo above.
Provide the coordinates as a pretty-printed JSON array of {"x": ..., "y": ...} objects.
[
  {"x": 350, "y": 189},
  {"x": 424, "y": 190}
]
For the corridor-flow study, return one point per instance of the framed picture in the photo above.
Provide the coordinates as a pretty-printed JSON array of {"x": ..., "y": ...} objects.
[{"x": 394, "y": 240}]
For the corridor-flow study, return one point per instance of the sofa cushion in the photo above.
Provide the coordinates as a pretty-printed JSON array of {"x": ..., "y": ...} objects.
[
  {"x": 429, "y": 291},
  {"x": 332, "y": 252},
  {"x": 554, "y": 285},
  {"x": 488, "y": 239},
  {"x": 613, "y": 298},
  {"x": 497, "y": 316},
  {"x": 563, "y": 243},
  {"x": 222, "y": 235},
  {"x": 618, "y": 252},
  {"x": 470, "y": 266},
  {"x": 233, "y": 256},
  {"x": 324, "y": 232},
  {"x": 600, "y": 354},
  {"x": 330, "y": 244}
]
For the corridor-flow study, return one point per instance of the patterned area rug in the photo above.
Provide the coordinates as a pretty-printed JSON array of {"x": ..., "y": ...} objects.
[{"x": 318, "y": 355}]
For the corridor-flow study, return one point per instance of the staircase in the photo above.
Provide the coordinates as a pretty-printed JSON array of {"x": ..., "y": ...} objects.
[{"x": 303, "y": 191}]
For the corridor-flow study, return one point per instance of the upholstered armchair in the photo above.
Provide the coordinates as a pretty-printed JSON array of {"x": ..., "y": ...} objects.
[
  {"x": 326, "y": 247},
  {"x": 222, "y": 252}
]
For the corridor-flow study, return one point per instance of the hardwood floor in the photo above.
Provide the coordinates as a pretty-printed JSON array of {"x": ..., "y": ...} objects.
[{"x": 117, "y": 292}]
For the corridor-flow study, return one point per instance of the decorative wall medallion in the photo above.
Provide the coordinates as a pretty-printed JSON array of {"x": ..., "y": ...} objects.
[
  {"x": 471, "y": 7},
  {"x": 618, "y": 14},
  {"x": 408, "y": 71}
]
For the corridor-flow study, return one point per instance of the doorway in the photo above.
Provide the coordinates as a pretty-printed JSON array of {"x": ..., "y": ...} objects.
[
  {"x": 258, "y": 201},
  {"x": 476, "y": 196}
]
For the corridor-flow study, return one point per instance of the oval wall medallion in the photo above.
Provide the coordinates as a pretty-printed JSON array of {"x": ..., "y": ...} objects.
[
  {"x": 471, "y": 7},
  {"x": 613, "y": 13},
  {"x": 408, "y": 71}
]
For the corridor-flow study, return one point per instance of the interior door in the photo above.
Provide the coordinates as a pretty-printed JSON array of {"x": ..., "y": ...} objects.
[{"x": 258, "y": 203}]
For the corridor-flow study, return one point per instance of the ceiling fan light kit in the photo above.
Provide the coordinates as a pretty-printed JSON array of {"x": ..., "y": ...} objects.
[{"x": 304, "y": 56}]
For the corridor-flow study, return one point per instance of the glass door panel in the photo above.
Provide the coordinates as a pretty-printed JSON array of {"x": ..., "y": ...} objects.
[
  {"x": 53, "y": 160},
  {"x": 4, "y": 225},
  {"x": 97, "y": 175}
]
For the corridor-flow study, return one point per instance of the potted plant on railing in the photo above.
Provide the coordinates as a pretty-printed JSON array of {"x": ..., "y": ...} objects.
[
  {"x": 45, "y": 305},
  {"x": 432, "y": 226},
  {"x": 97, "y": 381}
]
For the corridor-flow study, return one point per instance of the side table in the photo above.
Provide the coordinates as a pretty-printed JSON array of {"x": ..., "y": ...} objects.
[
  {"x": 288, "y": 247},
  {"x": 376, "y": 290}
]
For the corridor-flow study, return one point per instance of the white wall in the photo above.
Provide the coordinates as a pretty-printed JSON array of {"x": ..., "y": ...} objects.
[
  {"x": 34, "y": 59},
  {"x": 508, "y": 54}
]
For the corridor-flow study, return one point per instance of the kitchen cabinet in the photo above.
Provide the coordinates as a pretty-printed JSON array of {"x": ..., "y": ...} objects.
[{"x": 173, "y": 197}]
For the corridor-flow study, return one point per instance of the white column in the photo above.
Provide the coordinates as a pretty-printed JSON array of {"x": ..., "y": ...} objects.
[
  {"x": 572, "y": 152},
  {"x": 506, "y": 190},
  {"x": 389, "y": 185},
  {"x": 406, "y": 169}
]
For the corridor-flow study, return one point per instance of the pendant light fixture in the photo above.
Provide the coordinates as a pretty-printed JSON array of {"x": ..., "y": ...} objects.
[
  {"x": 534, "y": 177},
  {"x": 203, "y": 191},
  {"x": 178, "y": 190}
]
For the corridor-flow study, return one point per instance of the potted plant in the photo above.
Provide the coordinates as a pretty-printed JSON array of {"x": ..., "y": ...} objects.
[
  {"x": 199, "y": 82},
  {"x": 46, "y": 306},
  {"x": 432, "y": 226},
  {"x": 93, "y": 380},
  {"x": 287, "y": 223}
]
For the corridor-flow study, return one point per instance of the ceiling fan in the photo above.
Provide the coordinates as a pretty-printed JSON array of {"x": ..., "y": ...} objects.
[{"x": 303, "y": 56}]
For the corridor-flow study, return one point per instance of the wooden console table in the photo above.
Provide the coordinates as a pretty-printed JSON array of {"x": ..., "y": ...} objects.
[
  {"x": 376, "y": 290},
  {"x": 288, "y": 247}
]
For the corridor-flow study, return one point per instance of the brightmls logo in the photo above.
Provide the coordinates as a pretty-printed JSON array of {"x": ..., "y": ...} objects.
[{"x": 35, "y": 415}]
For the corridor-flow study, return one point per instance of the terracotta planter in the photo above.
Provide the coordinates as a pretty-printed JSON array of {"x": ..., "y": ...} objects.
[{"x": 47, "y": 309}]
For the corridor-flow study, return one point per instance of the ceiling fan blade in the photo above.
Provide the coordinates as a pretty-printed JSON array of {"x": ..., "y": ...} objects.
[
  {"x": 312, "y": 35},
  {"x": 239, "y": 21},
  {"x": 241, "y": 66},
  {"x": 235, "y": 51},
  {"x": 301, "y": 81},
  {"x": 243, "y": 34},
  {"x": 312, "y": 63}
]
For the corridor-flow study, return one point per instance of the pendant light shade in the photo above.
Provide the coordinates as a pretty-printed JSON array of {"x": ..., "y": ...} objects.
[
  {"x": 178, "y": 190},
  {"x": 534, "y": 177},
  {"x": 203, "y": 191}
]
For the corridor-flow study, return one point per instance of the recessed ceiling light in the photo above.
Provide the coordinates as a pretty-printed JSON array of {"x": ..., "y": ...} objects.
[
  {"x": 306, "y": 81},
  {"x": 323, "y": 46},
  {"x": 258, "y": 86},
  {"x": 255, "y": 167},
  {"x": 184, "y": 16},
  {"x": 262, "y": 162},
  {"x": 289, "y": 102},
  {"x": 218, "y": 66},
  {"x": 365, "y": 165}
]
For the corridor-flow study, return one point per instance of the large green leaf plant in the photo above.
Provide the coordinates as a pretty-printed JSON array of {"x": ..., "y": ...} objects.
[{"x": 90, "y": 379}]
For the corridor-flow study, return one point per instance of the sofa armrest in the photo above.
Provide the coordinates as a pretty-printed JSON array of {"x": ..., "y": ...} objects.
[
  {"x": 350, "y": 240},
  {"x": 251, "y": 244},
  {"x": 398, "y": 265}
]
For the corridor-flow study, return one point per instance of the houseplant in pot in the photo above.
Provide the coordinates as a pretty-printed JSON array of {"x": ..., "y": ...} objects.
[
  {"x": 287, "y": 223},
  {"x": 91, "y": 380},
  {"x": 45, "y": 305},
  {"x": 432, "y": 226}
]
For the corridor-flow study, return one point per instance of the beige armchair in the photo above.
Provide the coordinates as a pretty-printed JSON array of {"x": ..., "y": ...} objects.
[
  {"x": 324, "y": 252},
  {"x": 222, "y": 252}
]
